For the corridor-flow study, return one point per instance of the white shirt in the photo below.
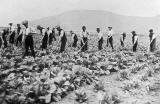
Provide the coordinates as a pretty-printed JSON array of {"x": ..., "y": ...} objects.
[
  {"x": 61, "y": 33},
  {"x": 100, "y": 35},
  {"x": 28, "y": 31},
  {"x": 73, "y": 34},
  {"x": 84, "y": 34},
  {"x": 154, "y": 36},
  {"x": 135, "y": 39},
  {"x": 121, "y": 38},
  {"x": 43, "y": 31},
  {"x": 49, "y": 31},
  {"x": 110, "y": 33},
  {"x": 12, "y": 29}
]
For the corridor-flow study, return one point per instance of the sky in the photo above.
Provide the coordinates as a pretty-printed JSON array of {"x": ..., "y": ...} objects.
[{"x": 16, "y": 11}]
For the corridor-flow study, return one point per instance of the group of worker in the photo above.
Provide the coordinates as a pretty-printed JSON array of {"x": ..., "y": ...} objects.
[{"x": 26, "y": 40}]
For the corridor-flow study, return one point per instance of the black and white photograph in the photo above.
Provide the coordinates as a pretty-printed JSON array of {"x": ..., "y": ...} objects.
[{"x": 79, "y": 51}]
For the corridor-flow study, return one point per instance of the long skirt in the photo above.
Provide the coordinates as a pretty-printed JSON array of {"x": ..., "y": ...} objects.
[
  {"x": 85, "y": 45},
  {"x": 100, "y": 42},
  {"x": 153, "y": 45},
  {"x": 135, "y": 47},
  {"x": 44, "y": 42},
  {"x": 29, "y": 44}
]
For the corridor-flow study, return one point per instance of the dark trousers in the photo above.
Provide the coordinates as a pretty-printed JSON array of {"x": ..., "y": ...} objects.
[
  {"x": 29, "y": 44},
  {"x": 19, "y": 40},
  {"x": 5, "y": 41},
  {"x": 63, "y": 45},
  {"x": 44, "y": 42},
  {"x": 135, "y": 47},
  {"x": 85, "y": 45},
  {"x": 100, "y": 42},
  {"x": 153, "y": 45},
  {"x": 0, "y": 42},
  {"x": 11, "y": 39},
  {"x": 122, "y": 43},
  {"x": 50, "y": 39},
  {"x": 110, "y": 41},
  {"x": 74, "y": 44}
]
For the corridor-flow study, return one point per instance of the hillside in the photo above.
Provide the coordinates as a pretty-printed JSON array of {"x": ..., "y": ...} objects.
[{"x": 93, "y": 18}]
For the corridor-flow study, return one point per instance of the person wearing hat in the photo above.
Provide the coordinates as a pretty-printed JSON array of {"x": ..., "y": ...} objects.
[
  {"x": 62, "y": 40},
  {"x": 84, "y": 39},
  {"x": 12, "y": 33},
  {"x": 100, "y": 38},
  {"x": 134, "y": 41},
  {"x": 44, "y": 33},
  {"x": 28, "y": 39},
  {"x": 110, "y": 38},
  {"x": 152, "y": 37},
  {"x": 74, "y": 39},
  {"x": 122, "y": 39},
  {"x": 50, "y": 34},
  {"x": 19, "y": 33}
]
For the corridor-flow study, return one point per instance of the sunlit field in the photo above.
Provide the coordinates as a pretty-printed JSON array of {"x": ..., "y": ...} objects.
[{"x": 116, "y": 76}]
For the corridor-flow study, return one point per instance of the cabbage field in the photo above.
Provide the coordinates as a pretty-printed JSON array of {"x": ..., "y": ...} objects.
[{"x": 108, "y": 76}]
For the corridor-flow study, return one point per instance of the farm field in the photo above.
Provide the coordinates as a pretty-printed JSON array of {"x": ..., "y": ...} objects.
[{"x": 120, "y": 76}]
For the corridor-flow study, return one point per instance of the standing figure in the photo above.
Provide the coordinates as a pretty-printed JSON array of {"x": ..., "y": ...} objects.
[
  {"x": 100, "y": 39},
  {"x": 63, "y": 39},
  {"x": 110, "y": 38},
  {"x": 152, "y": 37},
  {"x": 44, "y": 33},
  {"x": 134, "y": 41},
  {"x": 28, "y": 39},
  {"x": 12, "y": 33},
  {"x": 53, "y": 34},
  {"x": 19, "y": 33},
  {"x": 74, "y": 39},
  {"x": 122, "y": 39},
  {"x": 50, "y": 34},
  {"x": 5, "y": 32},
  {"x": 45, "y": 39},
  {"x": 84, "y": 39}
]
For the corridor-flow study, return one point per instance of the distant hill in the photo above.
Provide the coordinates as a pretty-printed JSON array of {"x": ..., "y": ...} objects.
[{"x": 74, "y": 20}]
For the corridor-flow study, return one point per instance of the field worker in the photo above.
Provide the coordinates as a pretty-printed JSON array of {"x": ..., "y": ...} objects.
[
  {"x": 84, "y": 39},
  {"x": 50, "y": 34},
  {"x": 1, "y": 39},
  {"x": 110, "y": 38},
  {"x": 19, "y": 33},
  {"x": 74, "y": 39},
  {"x": 122, "y": 39},
  {"x": 134, "y": 41},
  {"x": 5, "y": 32},
  {"x": 29, "y": 43},
  {"x": 53, "y": 33},
  {"x": 63, "y": 39},
  {"x": 152, "y": 37},
  {"x": 12, "y": 33},
  {"x": 45, "y": 39},
  {"x": 43, "y": 32},
  {"x": 100, "y": 39}
]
